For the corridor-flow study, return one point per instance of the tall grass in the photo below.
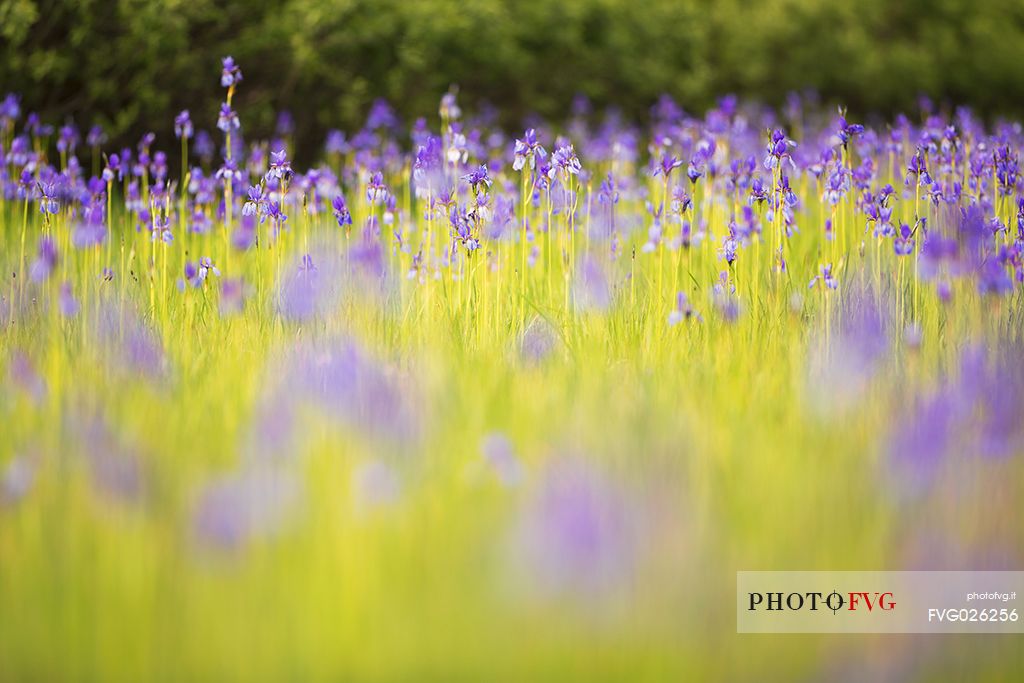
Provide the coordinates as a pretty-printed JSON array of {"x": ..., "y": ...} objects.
[{"x": 376, "y": 452}]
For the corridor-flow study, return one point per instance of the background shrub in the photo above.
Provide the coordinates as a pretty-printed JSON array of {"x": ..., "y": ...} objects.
[{"x": 132, "y": 64}]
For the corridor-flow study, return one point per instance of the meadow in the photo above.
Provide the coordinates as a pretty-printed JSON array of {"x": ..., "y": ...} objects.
[{"x": 457, "y": 404}]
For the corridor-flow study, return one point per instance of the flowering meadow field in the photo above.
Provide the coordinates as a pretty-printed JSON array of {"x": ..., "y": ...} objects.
[{"x": 457, "y": 404}]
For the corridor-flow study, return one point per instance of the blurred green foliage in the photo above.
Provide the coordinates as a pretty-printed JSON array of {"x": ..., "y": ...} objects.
[{"x": 132, "y": 64}]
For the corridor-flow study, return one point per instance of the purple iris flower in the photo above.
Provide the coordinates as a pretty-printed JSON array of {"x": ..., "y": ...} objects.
[
  {"x": 111, "y": 171},
  {"x": 280, "y": 167},
  {"x": 376, "y": 190},
  {"x": 89, "y": 233},
  {"x": 10, "y": 109},
  {"x": 161, "y": 230},
  {"x": 227, "y": 120},
  {"x": 205, "y": 268},
  {"x": 842, "y": 368},
  {"x": 310, "y": 288},
  {"x": 564, "y": 161},
  {"x": 450, "y": 110},
  {"x": 528, "y": 151},
  {"x": 230, "y": 74},
  {"x": 285, "y": 123},
  {"x": 682, "y": 311},
  {"x": 478, "y": 178},
  {"x": 848, "y": 131},
  {"x": 115, "y": 467},
  {"x": 240, "y": 508},
  {"x": 204, "y": 146},
  {"x": 232, "y": 297},
  {"x": 918, "y": 170},
  {"x": 758, "y": 192},
  {"x": 276, "y": 214},
  {"x": 381, "y": 116},
  {"x": 728, "y": 250},
  {"x": 96, "y": 137},
  {"x": 66, "y": 301},
  {"x": 48, "y": 203},
  {"x": 183, "y": 125},
  {"x": 921, "y": 440},
  {"x": 904, "y": 243},
  {"x": 341, "y": 212},
  {"x": 591, "y": 289},
  {"x": 668, "y": 164},
  {"x": 837, "y": 184},
  {"x": 723, "y": 296},
  {"x": 67, "y": 139},
  {"x": 975, "y": 411},
  {"x": 778, "y": 150},
  {"x": 26, "y": 378},
  {"x": 825, "y": 277},
  {"x": 1007, "y": 166},
  {"x": 577, "y": 535},
  {"x": 131, "y": 344},
  {"x": 697, "y": 166},
  {"x": 538, "y": 341},
  {"x": 46, "y": 260},
  {"x": 255, "y": 201},
  {"x": 228, "y": 172},
  {"x": 336, "y": 143}
]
